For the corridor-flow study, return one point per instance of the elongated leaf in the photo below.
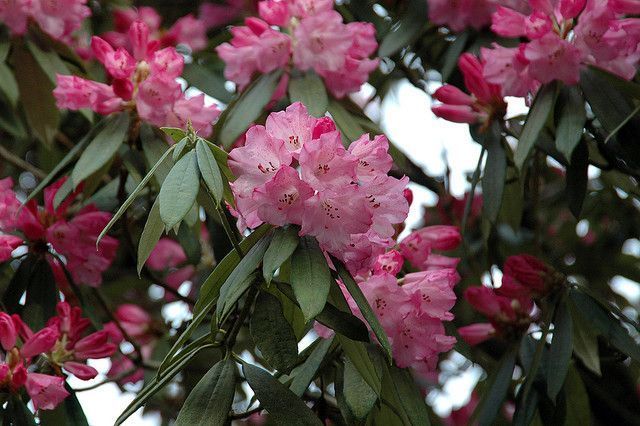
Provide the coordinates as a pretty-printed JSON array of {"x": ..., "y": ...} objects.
[
  {"x": 536, "y": 120},
  {"x": 151, "y": 233},
  {"x": 284, "y": 407},
  {"x": 585, "y": 340},
  {"x": 283, "y": 244},
  {"x": 357, "y": 353},
  {"x": 42, "y": 295},
  {"x": 350, "y": 128},
  {"x": 578, "y": 409},
  {"x": 210, "y": 82},
  {"x": 101, "y": 149},
  {"x": 273, "y": 334},
  {"x": 496, "y": 390},
  {"x": 303, "y": 375},
  {"x": 152, "y": 388},
  {"x": 310, "y": 277},
  {"x": 354, "y": 290},
  {"x": 246, "y": 108},
  {"x": 154, "y": 146},
  {"x": 133, "y": 195},
  {"x": 179, "y": 190},
  {"x": 210, "y": 170},
  {"x": 36, "y": 94},
  {"x": 210, "y": 400},
  {"x": 180, "y": 146},
  {"x": 571, "y": 119},
  {"x": 68, "y": 413},
  {"x": 174, "y": 133},
  {"x": 8, "y": 84},
  {"x": 309, "y": 89},
  {"x": 406, "y": 30},
  {"x": 19, "y": 413},
  {"x": 211, "y": 287},
  {"x": 241, "y": 278},
  {"x": 495, "y": 173},
  {"x": 409, "y": 395},
  {"x": 561, "y": 349},
  {"x": 577, "y": 179},
  {"x": 359, "y": 396}
]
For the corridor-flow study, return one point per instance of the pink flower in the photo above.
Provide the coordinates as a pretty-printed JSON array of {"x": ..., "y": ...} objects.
[
  {"x": 46, "y": 391},
  {"x": 475, "y": 334},
  {"x": 80, "y": 370},
  {"x": 416, "y": 247},
  {"x": 75, "y": 93},
  {"x": 461, "y": 14},
  {"x": 189, "y": 31},
  {"x": 135, "y": 321},
  {"x": 390, "y": 263},
  {"x": 373, "y": 156},
  {"x": 274, "y": 12},
  {"x": 281, "y": 200},
  {"x": 294, "y": 126},
  {"x": 631, "y": 7},
  {"x": 96, "y": 345},
  {"x": 165, "y": 255},
  {"x": 8, "y": 332},
  {"x": 525, "y": 275},
  {"x": 121, "y": 365},
  {"x": 390, "y": 302},
  {"x": 193, "y": 109},
  {"x": 59, "y": 18},
  {"x": 325, "y": 163},
  {"x": 219, "y": 14},
  {"x": 40, "y": 342},
  {"x": 552, "y": 58},
  {"x": 386, "y": 203},
  {"x": 432, "y": 292},
  {"x": 14, "y": 14},
  {"x": 8, "y": 243},
  {"x": 322, "y": 42}
]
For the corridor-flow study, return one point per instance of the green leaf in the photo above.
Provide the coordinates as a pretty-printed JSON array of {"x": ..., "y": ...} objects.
[
  {"x": 409, "y": 396},
  {"x": 350, "y": 128},
  {"x": 357, "y": 353},
  {"x": 344, "y": 323},
  {"x": 585, "y": 340},
  {"x": 241, "y": 278},
  {"x": 154, "y": 146},
  {"x": 284, "y": 407},
  {"x": 133, "y": 195},
  {"x": 406, "y": 30},
  {"x": 101, "y": 149},
  {"x": 210, "y": 170},
  {"x": 210, "y": 400},
  {"x": 174, "y": 133},
  {"x": 49, "y": 62},
  {"x": 354, "y": 290},
  {"x": 536, "y": 120},
  {"x": 42, "y": 294},
  {"x": 606, "y": 325},
  {"x": 153, "y": 387},
  {"x": 358, "y": 395},
  {"x": 68, "y": 413},
  {"x": 310, "y": 277},
  {"x": 272, "y": 334},
  {"x": 246, "y": 108},
  {"x": 283, "y": 244},
  {"x": 151, "y": 233},
  {"x": 571, "y": 119},
  {"x": 179, "y": 190},
  {"x": 9, "y": 85},
  {"x": 496, "y": 390},
  {"x": 495, "y": 173},
  {"x": 455, "y": 49},
  {"x": 210, "y": 82},
  {"x": 309, "y": 89},
  {"x": 578, "y": 409},
  {"x": 303, "y": 374},
  {"x": 180, "y": 146},
  {"x": 557, "y": 364},
  {"x": 211, "y": 287},
  {"x": 19, "y": 413},
  {"x": 36, "y": 94},
  {"x": 577, "y": 179}
]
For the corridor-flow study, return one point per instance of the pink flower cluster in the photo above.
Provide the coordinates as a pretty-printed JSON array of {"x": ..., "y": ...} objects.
[
  {"x": 142, "y": 79},
  {"x": 58, "y": 18},
  {"x": 168, "y": 258},
  {"x": 411, "y": 308},
  {"x": 483, "y": 105},
  {"x": 342, "y": 197},
  {"x": 72, "y": 236},
  {"x": 563, "y": 36},
  {"x": 313, "y": 36},
  {"x": 462, "y": 14},
  {"x": 509, "y": 308},
  {"x": 63, "y": 345},
  {"x": 187, "y": 30}
]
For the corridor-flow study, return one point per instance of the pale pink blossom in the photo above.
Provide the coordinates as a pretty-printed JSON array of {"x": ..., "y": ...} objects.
[
  {"x": 294, "y": 126},
  {"x": 14, "y": 14},
  {"x": 281, "y": 200},
  {"x": 325, "y": 163},
  {"x": 390, "y": 262}
]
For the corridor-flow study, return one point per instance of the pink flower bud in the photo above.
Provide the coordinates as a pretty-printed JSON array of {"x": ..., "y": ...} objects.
[
  {"x": 484, "y": 300},
  {"x": 451, "y": 95},
  {"x": 275, "y": 12},
  {"x": 8, "y": 243},
  {"x": 139, "y": 37},
  {"x": 530, "y": 272},
  {"x": 477, "y": 333},
  {"x": 95, "y": 345},
  {"x": 408, "y": 195},
  {"x": 40, "y": 342},
  {"x": 101, "y": 49},
  {"x": 441, "y": 237},
  {"x": 80, "y": 370},
  {"x": 19, "y": 376},
  {"x": 8, "y": 333},
  {"x": 323, "y": 125},
  {"x": 45, "y": 391},
  {"x": 457, "y": 113}
]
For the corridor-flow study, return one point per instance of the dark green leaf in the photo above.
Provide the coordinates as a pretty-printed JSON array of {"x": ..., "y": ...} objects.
[
  {"x": 283, "y": 244},
  {"x": 272, "y": 334},
  {"x": 246, "y": 108},
  {"x": 304, "y": 374},
  {"x": 210, "y": 400},
  {"x": 8, "y": 84},
  {"x": 349, "y": 127},
  {"x": 151, "y": 233},
  {"x": 210, "y": 170},
  {"x": 174, "y": 133},
  {"x": 409, "y": 396},
  {"x": 578, "y": 409},
  {"x": 536, "y": 120},
  {"x": 495, "y": 173},
  {"x": 42, "y": 294},
  {"x": 179, "y": 190},
  {"x": 357, "y": 393},
  {"x": 309, "y": 89},
  {"x": 577, "y": 179},
  {"x": 205, "y": 79},
  {"x": 68, "y": 413},
  {"x": 19, "y": 413},
  {"x": 560, "y": 352},
  {"x": 241, "y": 278},
  {"x": 154, "y": 146},
  {"x": 310, "y": 277},
  {"x": 284, "y": 407},
  {"x": 406, "y": 30},
  {"x": 585, "y": 340},
  {"x": 571, "y": 119},
  {"x": 496, "y": 390},
  {"x": 359, "y": 356},
  {"x": 101, "y": 149},
  {"x": 453, "y": 54},
  {"x": 354, "y": 290},
  {"x": 343, "y": 323}
]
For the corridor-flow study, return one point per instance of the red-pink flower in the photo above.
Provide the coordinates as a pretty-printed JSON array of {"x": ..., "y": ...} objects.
[
  {"x": 474, "y": 334},
  {"x": 417, "y": 246},
  {"x": 8, "y": 243},
  {"x": 388, "y": 263},
  {"x": 45, "y": 391}
]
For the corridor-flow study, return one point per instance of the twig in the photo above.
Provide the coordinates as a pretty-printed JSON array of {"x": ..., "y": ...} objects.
[
  {"x": 238, "y": 416},
  {"x": 20, "y": 163}
]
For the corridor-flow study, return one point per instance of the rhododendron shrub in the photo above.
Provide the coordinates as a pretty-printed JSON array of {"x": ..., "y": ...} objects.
[{"x": 206, "y": 210}]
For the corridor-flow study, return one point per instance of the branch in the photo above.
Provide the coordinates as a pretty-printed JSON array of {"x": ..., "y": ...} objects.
[{"x": 20, "y": 163}]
